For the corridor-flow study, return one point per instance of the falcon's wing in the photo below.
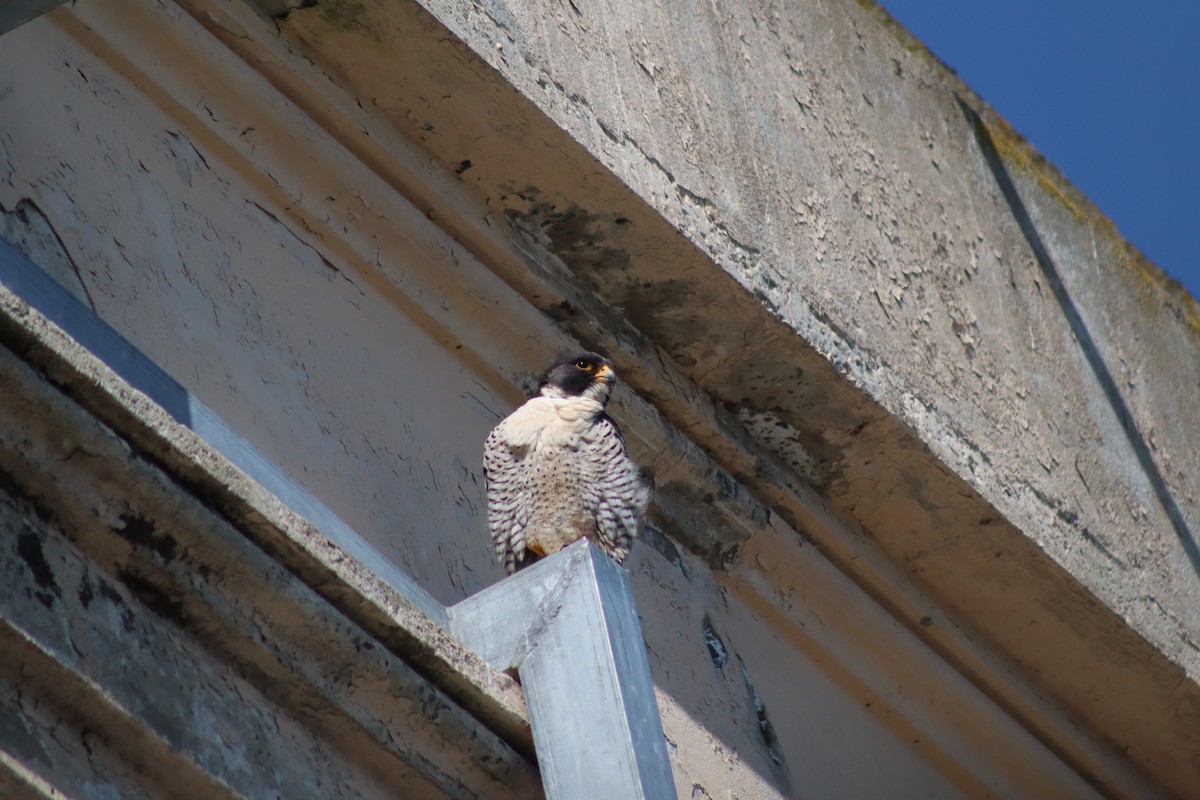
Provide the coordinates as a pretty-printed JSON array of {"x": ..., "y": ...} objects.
[
  {"x": 622, "y": 493},
  {"x": 509, "y": 497}
]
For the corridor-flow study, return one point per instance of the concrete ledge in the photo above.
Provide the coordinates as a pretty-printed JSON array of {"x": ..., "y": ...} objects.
[
  {"x": 811, "y": 234},
  {"x": 216, "y": 630}
]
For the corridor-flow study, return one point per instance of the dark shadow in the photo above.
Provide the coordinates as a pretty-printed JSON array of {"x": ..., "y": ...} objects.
[
  {"x": 15, "y": 13},
  {"x": 1109, "y": 386}
]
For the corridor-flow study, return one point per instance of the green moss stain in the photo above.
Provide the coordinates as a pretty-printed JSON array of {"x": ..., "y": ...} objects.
[
  {"x": 343, "y": 17},
  {"x": 1018, "y": 153},
  {"x": 341, "y": 14}
]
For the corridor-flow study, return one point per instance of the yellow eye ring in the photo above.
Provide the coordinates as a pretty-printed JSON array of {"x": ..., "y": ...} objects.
[{"x": 586, "y": 366}]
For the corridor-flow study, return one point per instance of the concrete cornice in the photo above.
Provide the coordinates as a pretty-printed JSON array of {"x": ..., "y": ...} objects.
[
  {"x": 647, "y": 243},
  {"x": 766, "y": 423}
]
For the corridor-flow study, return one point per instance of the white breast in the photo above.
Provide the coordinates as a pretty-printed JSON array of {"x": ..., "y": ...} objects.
[{"x": 549, "y": 422}]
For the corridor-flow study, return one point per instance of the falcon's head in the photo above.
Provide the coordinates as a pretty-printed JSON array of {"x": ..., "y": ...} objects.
[{"x": 579, "y": 375}]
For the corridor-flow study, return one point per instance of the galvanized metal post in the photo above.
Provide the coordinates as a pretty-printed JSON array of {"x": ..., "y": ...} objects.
[{"x": 569, "y": 626}]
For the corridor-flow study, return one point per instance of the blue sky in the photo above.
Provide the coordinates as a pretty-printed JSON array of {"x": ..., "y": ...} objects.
[{"x": 1107, "y": 91}]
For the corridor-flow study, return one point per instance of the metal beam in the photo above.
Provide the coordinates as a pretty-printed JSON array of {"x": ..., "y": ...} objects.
[
  {"x": 15, "y": 13},
  {"x": 569, "y": 625}
]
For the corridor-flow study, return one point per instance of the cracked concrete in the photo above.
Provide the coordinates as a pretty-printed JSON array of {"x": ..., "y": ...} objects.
[
  {"x": 858, "y": 312},
  {"x": 933, "y": 373}
]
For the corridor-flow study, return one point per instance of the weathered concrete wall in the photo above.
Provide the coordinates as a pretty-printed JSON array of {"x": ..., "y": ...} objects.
[
  {"x": 163, "y": 641},
  {"x": 358, "y": 229},
  {"x": 840, "y": 178},
  {"x": 833, "y": 169},
  {"x": 192, "y": 272}
]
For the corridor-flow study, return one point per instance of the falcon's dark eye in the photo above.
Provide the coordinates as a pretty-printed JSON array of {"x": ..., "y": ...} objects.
[{"x": 586, "y": 366}]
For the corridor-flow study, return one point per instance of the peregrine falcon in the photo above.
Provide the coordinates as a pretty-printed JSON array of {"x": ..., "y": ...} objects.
[{"x": 557, "y": 469}]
